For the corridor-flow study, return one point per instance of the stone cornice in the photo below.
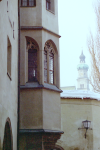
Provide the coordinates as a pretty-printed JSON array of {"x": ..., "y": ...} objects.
[{"x": 38, "y": 28}]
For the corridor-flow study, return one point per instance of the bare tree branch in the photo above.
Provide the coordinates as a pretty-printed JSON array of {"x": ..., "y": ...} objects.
[{"x": 94, "y": 50}]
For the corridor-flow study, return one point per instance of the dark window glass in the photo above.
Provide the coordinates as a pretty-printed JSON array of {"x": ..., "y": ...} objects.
[
  {"x": 48, "y": 3},
  {"x": 32, "y": 65}
]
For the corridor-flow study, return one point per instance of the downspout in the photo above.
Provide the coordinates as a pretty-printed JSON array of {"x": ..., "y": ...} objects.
[{"x": 18, "y": 106}]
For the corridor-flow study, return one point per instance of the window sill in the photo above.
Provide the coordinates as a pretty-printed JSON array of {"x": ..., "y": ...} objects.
[
  {"x": 27, "y": 6},
  {"x": 9, "y": 76},
  {"x": 50, "y": 11},
  {"x": 36, "y": 85}
]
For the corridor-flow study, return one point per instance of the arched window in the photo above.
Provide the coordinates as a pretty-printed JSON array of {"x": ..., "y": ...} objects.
[
  {"x": 32, "y": 60},
  {"x": 7, "y": 142},
  {"x": 49, "y": 52}
]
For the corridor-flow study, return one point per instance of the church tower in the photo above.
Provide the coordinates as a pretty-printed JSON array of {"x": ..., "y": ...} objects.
[
  {"x": 82, "y": 80},
  {"x": 40, "y": 114}
]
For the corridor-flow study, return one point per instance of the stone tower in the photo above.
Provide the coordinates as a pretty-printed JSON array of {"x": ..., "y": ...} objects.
[
  {"x": 82, "y": 80},
  {"x": 40, "y": 114}
]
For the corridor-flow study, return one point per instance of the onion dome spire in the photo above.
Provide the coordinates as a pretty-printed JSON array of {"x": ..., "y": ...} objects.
[{"x": 82, "y": 58}]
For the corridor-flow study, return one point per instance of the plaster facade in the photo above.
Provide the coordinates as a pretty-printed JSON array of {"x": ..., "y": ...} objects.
[
  {"x": 73, "y": 112},
  {"x": 8, "y": 78}
]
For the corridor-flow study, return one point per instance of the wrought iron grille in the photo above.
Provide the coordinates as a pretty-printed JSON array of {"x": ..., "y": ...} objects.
[
  {"x": 45, "y": 66},
  {"x": 51, "y": 67},
  {"x": 32, "y": 65}
]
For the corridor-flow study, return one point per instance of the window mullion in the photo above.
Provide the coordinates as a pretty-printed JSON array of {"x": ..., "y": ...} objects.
[
  {"x": 27, "y": 2},
  {"x": 48, "y": 67}
]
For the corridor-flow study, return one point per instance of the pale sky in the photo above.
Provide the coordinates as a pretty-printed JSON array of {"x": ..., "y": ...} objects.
[{"x": 76, "y": 19}]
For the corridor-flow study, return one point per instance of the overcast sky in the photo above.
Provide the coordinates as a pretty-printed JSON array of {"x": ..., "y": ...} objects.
[{"x": 76, "y": 19}]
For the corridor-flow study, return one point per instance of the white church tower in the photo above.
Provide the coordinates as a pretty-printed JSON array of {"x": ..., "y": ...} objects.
[{"x": 82, "y": 80}]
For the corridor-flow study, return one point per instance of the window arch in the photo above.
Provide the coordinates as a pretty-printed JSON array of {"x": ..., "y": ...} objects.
[
  {"x": 32, "y": 49},
  {"x": 7, "y": 142},
  {"x": 49, "y": 61}
]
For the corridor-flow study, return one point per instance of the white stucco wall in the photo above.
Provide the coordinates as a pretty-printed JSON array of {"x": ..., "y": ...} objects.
[{"x": 8, "y": 88}]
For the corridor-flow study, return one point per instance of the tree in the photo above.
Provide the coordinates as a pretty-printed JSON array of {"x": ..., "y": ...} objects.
[{"x": 94, "y": 50}]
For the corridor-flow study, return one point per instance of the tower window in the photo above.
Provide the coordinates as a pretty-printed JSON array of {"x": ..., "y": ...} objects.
[
  {"x": 32, "y": 65},
  {"x": 81, "y": 86},
  {"x": 9, "y": 59},
  {"x": 50, "y": 5},
  {"x": 49, "y": 62},
  {"x": 51, "y": 67},
  {"x": 29, "y": 3}
]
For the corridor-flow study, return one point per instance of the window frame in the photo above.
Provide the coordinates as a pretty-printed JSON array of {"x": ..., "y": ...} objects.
[
  {"x": 31, "y": 44},
  {"x": 51, "y": 67},
  {"x": 45, "y": 66},
  {"x": 32, "y": 66},
  {"x": 48, "y": 4},
  {"x": 50, "y": 49},
  {"x": 82, "y": 86},
  {"x": 27, "y": 1}
]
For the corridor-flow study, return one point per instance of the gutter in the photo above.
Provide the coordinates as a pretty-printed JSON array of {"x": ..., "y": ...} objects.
[{"x": 18, "y": 106}]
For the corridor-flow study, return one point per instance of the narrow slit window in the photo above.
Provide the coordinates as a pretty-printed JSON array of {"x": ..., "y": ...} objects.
[
  {"x": 9, "y": 47},
  {"x": 45, "y": 66},
  {"x": 51, "y": 67},
  {"x": 48, "y": 3}
]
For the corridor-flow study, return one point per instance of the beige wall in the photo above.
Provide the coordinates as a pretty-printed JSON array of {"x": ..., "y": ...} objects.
[
  {"x": 40, "y": 109},
  {"x": 31, "y": 114},
  {"x": 51, "y": 110},
  {"x": 39, "y": 16},
  {"x": 8, "y": 88},
  {"x": 73, "y": 112}
]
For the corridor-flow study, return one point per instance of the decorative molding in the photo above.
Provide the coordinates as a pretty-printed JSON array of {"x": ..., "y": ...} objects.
[
  {"x": 31, "y": 44},
  {"x": 36, "y": 85},
  {"x": 49, "y": 47},
  {"x": 22, "y": 131},
  {"x": 38, "y": 28},
  {"x": 41, "y": 139}
]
